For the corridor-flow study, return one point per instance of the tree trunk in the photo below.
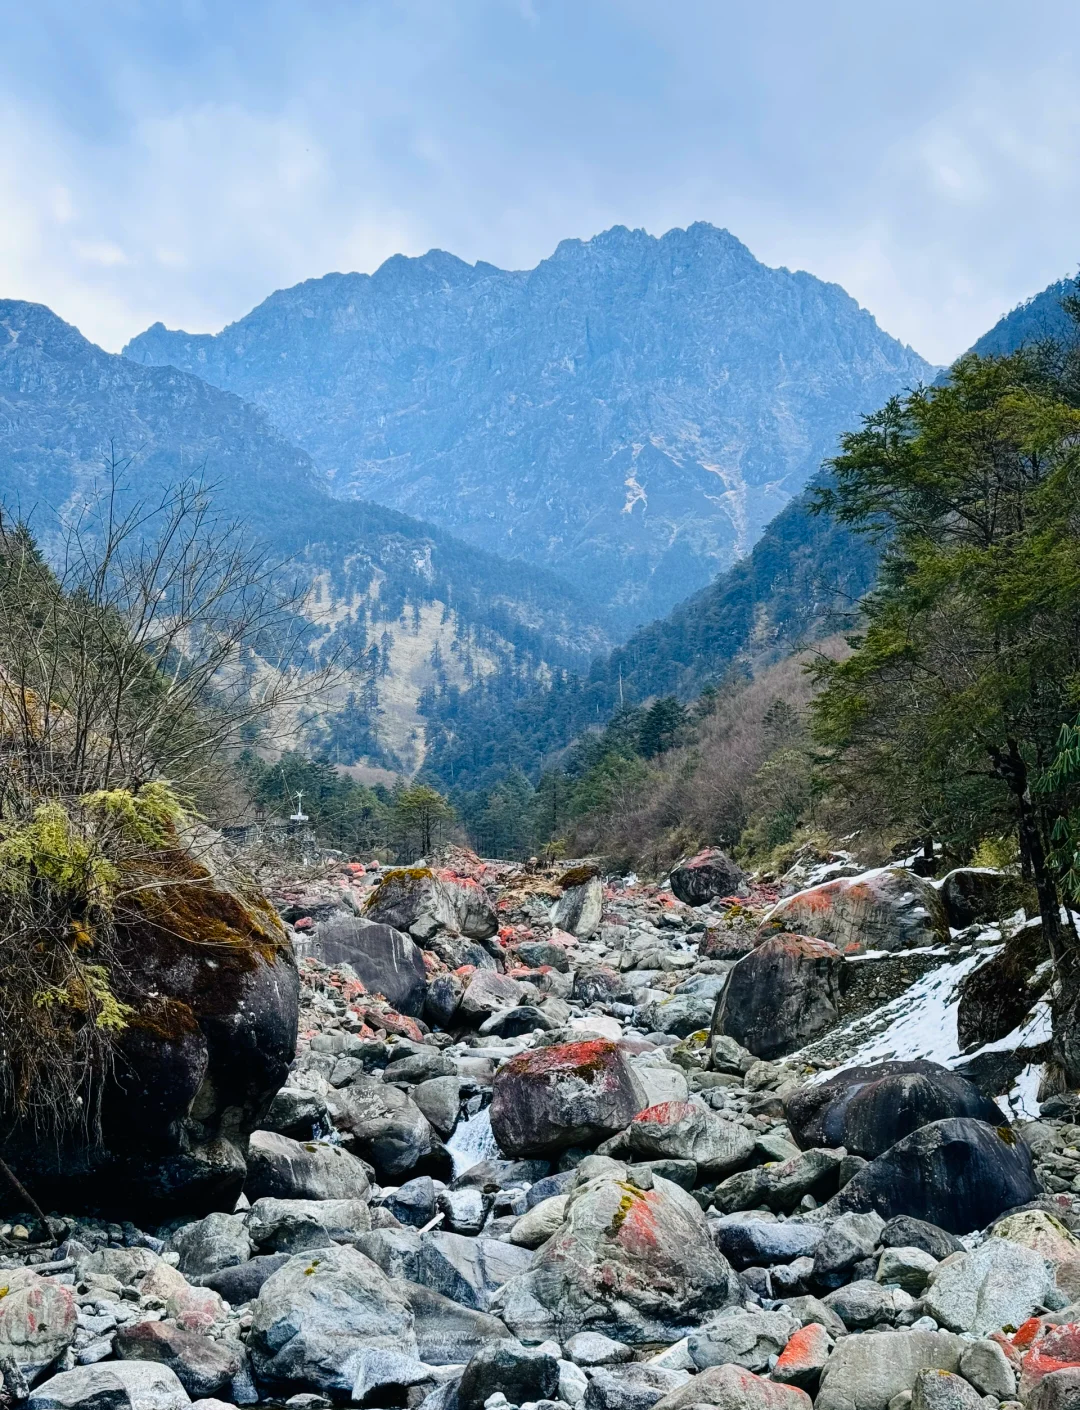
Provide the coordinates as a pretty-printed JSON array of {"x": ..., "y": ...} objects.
[{"x": 1012, "y": 769}]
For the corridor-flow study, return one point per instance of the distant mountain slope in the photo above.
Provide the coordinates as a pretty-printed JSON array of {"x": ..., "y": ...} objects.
[
  {"x": 1036, "y": 318},
  {"x": 413, "y": 605},
  {"x": 630, "y": 413},
  {"x": 800, "y": 582}
]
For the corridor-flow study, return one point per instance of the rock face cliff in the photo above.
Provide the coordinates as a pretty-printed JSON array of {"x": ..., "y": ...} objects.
[{"x": 630, "y": 413}]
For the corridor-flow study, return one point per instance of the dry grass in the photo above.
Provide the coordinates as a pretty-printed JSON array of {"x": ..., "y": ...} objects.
[{"x": 705, "y": 792}]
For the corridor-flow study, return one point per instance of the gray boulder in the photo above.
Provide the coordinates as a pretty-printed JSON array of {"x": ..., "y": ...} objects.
[
  {"x": 941, "y": 1390},
  {"x": 384, "y": 1376},
  {"x": 112, "y": 1385},
  {"x": 520, "y": 1373},
  {"x": 383, "y": 1126},
  {"x": 547, "y": 1099},
  {"x": 999, "y": 1284},
  {"x": 637, "y": 1386},
  {"x": 749, "y": 1242},
  {"x": 619, "y": 1265},
  {"x": 448, "y": 1334},
  {"x": 780, "y": 996},
  {"x": 989, "y": 1370},
  {"x": 865, "y": 1373},
  {"x": 203, "y": 1366},
  {"x": 293, "y": 1225},
  {"x": 487, "y": 993},
  {"x": 314, "y": 1318},
  {"x": 889, "y": 908},
  {"x": 868, "y": 1109},
  {"x": 241, "y": 1283},
  {"x": 386, "y": 961},
  {"x": 734, "y": 1388},
  {"x": 210, "y": 1244},
  {"x": 703, "y": 878},
  {"x": 959, "y": 1174},
  {"x": 439, "y": 1098},
  {"x": 691, "y": 1131},
  {"x": 864, "y": 1303},
  {"x": 37, "y": 1322},
  {"x": 594, "y": 1349},
  {"x": 580, "y": 907},
  {"x": 741, "y": 1337},
  {"x": 849, "y": 1239},
  {"x": 288, "y": 1169},
  {"x": 908, "y": 1268}
]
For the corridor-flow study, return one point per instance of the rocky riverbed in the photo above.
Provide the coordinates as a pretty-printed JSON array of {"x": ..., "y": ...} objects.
[{"x": 568, "y": 1142}]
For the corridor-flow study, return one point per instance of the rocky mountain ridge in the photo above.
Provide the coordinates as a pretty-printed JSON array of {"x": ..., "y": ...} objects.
[
  {"x": 630, "y": 413},
  {"x": 429, "y": 606}
]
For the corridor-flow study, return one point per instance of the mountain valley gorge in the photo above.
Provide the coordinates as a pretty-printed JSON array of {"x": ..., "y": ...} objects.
[{"x": 641, "y": 974}]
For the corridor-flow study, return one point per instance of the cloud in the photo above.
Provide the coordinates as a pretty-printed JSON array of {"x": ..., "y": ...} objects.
[{"x": 182, "y": 162}]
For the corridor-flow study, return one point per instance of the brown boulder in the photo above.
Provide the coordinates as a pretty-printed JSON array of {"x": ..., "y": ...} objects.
[{"x": 572, "y": 1094}]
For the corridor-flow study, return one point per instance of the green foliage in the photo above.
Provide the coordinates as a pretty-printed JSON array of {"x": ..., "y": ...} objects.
[
  {"x": 150, "y": 815},
  {"x": 345, "y": 814},
  {"x": 421, "y": 816},
  {"x": 954, "y": 716}
]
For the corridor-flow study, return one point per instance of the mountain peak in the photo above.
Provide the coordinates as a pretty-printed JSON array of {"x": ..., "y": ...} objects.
[{"x": 630, "y": 413}]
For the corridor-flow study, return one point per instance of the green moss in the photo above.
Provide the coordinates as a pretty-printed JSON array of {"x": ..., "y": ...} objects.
[
  {"x": 631, "y": 1196},
  {"x": 577, "y": 876},
  {"x": 1007, "y": 1134}
]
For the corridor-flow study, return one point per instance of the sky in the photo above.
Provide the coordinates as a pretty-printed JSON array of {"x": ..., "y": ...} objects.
[{"x": 179, "y": 159}]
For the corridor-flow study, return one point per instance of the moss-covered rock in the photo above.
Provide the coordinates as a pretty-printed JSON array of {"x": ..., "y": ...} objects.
[{"x": 207, "y": 976}]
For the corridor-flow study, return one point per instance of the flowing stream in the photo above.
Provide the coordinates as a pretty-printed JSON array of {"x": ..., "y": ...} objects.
[{"x": 472, "y": 1142}]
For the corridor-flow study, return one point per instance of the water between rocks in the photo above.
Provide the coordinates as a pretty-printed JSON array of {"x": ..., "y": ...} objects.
[{"x": 473, "y": 1141}]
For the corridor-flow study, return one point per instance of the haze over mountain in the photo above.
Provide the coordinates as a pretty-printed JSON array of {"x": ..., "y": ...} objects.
[
  {"x": 801, "y": 581},
  {"x": 408, "y": 604},
  {"x": 631, "y": 413}
]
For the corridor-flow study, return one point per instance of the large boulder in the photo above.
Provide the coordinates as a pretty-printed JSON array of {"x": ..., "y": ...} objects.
[
  {"x": 487, "y": 994},
  {"x": 1000, "y": 1284},
  {"x": 959, "y": 1174},
  {"x": 867, "y": 1372},
  {"x": 208, "y": 1245},
  {"x": 578, "y": 910},
  {"x": 869, "y": 1109},
  {"x": 636, "y": 1265},
  {"x": 571, "y": 1094},
  {"x": 423, "y": 903},
  {"x": 315, "y": 1318},
  {"x": 982, "y": 895},
  {"x": 734, "y": 1388},
  {"x": 386, "y": 961},
  {"x": 203, "y": 961},
  {"x": 203, "y": 1366},
  {"x": 288, "y": 1169},
  {"x": 997, "y": 996},
  {"x": 887, "y": 909},
  {"x": 448, "y": 1334},
  {"x": 520, "y": 1373},
  {"x": 384, "y": 1126},
  {"x": 780, "y": 996},
  {"x": 705, "y": 877},
  {"x": 691, "y": 1131},
  {"x": 112, "y": 1385},
  {"x": 37, "y": 1322}
]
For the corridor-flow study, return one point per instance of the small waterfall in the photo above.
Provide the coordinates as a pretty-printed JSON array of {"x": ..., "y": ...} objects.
[{"x": 472, "y": 1142}]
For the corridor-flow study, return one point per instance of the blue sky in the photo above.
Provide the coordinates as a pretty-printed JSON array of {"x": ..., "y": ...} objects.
[{"x": 181, "y": 159}]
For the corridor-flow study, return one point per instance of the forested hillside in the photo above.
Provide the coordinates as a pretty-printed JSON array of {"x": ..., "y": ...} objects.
[
  {"x": 631, "y": 413},
  {"x": 802, "y": 582},
  {"x": 402, "y": 606}
]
